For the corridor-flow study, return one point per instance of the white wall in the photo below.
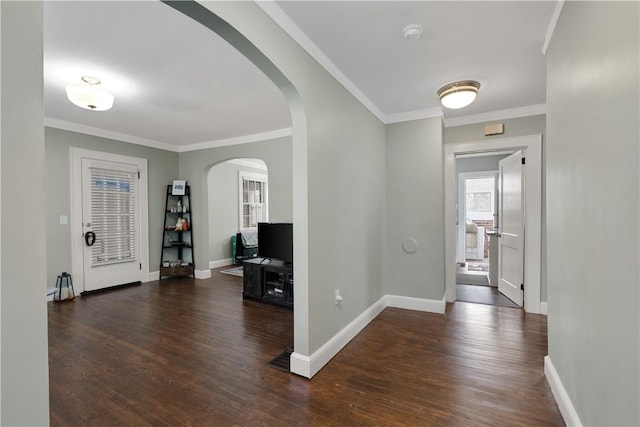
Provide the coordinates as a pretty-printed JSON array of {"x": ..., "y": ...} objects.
[
  {"x": 24, "y": 381},
  {"x": 592, "y": 209}
]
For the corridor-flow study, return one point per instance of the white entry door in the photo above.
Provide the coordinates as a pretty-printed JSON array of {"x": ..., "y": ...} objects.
[
  {"x": 511, "y": 219},
  {"x": 110, "y": 224}
]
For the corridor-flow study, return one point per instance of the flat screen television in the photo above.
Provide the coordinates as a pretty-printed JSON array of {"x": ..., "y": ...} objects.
[{"x": 275, "y": 241}]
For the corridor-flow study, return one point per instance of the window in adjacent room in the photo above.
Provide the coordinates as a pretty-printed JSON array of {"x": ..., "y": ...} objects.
[
  {"x": 479, "y": 202},
  {"x": 253, "y": 200},
  {"x": 480, "y": 198}
]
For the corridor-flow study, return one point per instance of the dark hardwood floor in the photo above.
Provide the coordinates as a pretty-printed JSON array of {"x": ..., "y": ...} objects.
[
  {"x": 191, "y": 352},
  {"x": 483, "y": 295}
]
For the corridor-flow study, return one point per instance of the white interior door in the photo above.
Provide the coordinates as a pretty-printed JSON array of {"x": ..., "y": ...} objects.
[
  {"x": 110, "y": 224},
  {"x": 511, "y": 219}
]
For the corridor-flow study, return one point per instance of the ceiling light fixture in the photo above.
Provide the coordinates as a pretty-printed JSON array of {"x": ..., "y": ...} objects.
[
  {"x": 459, "y": 94},
  {"x": 88, "y": 96},
  {"x": 412, "y": 32}
]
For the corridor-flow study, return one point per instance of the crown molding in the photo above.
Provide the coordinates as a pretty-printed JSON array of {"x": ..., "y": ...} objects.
[
  {"x": 249, "y": 163},
  {"x": 245, "y": 139},
  {"x": 511, "y": 113},
  {"x": 282, "y": 19},
  {"x": 407, "y": 116},
  {"x": 552, "y": 25},
  {"x": 288, "y": 26},
  {"x": 103, "y": 133}
]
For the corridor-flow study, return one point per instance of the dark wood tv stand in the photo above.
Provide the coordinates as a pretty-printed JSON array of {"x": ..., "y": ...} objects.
[{"x": 268, "y": 281}]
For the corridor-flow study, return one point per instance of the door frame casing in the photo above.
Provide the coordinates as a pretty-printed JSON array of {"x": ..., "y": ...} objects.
[
  {"x": 532, "y": 148},
  {"x": 75, "y": 217}
]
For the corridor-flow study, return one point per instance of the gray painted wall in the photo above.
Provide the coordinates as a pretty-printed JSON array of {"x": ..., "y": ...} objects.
[
  {"x": 224, "y": 201},
  {"x": 592, "y": 205},
  {"x": 415, "y": 209},
  {"x": 532, "y": 125},
  {"x": 162, "y": 169},
  {"x": 523, "y": 126},
  {"x": 24, "y": 383},
  {"x": 221, "y": 212},
  {"x": 338, "y": 154},
  {"x": 478, "y": 164}
]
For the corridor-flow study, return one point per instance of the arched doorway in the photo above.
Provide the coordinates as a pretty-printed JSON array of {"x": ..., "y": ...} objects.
[
  {"x": 197, "y": 177},
  {"x": 238, "y": 198}
]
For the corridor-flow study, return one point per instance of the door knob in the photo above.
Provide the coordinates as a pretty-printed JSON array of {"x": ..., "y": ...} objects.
[{"x": 90, "y": 238}]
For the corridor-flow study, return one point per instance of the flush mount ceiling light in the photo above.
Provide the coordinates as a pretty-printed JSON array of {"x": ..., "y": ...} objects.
[
  {"x": 412, "y": 32},
  {"x": 459, "y": 94},
  {"x": 88, "y": 96}
]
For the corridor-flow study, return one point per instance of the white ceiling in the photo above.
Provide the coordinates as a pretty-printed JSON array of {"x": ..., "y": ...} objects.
[
  {"x": 180, "y": 86},
  {"x": 176, "y": 83}
]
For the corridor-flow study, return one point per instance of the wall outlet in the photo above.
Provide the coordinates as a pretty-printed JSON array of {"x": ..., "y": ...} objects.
[{"x": 338, "y": 297}]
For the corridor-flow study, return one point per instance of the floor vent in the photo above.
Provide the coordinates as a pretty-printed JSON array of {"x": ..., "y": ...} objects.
[{"x": 282, "y": 361}]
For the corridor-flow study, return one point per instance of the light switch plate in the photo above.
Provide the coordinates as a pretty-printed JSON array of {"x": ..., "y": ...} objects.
[{"x": 63, "y": 220}]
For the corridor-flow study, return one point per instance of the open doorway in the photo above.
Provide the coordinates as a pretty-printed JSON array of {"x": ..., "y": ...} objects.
[
  {"x": 531, "y": 147},
  {"x": 477, "y": 201},
  {"x": 238, "y": 201},
  {"x": 477, "y": 232}
]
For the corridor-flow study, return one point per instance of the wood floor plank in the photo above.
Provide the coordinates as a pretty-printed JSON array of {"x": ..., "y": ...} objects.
[{"x": 186, "y": 352}]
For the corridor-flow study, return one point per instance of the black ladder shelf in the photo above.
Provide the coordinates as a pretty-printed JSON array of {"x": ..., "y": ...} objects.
[{"x": 177, "y": 258}]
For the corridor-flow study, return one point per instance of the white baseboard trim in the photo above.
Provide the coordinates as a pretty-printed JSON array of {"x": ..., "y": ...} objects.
[
  {"x": 419, "y": 304},
  {"x": 154, "y": 275},
  {"x": 300, "y": 365},
  {"x": 221, "y": 263},
  {"x": 560, "y": 394},
  {"x": 308, "y": 366},
  {"x": 203, "y": 274},
  {"x": 543, "y": 308}
]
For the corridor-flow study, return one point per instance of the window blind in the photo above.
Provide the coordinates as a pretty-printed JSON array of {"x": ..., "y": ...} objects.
[
  {"x": 252, "y": 202},
  {"x": 113, "y": 204}
]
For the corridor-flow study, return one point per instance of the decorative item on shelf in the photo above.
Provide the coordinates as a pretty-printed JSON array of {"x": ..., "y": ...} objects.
[
  {"x": 178, "y": 188},
  {"x": 185, "y": 225},
  {"x": 179, "y": 224}
]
